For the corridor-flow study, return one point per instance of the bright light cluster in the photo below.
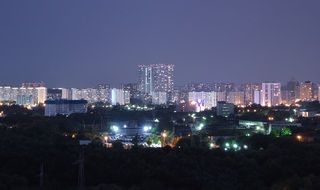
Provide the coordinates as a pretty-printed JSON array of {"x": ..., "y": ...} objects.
[
  {"x": 234, "y": 146},
  {"x": 115, "y": 128},
  {"x": 147, "y": 128}
]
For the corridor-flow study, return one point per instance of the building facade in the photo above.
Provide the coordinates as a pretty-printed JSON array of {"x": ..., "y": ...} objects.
[
  {"x": 132, "y": 88},
  {"x": 104, "y": 93},
  {"x": 89, "y": 94},
  {"x": 65, "y": 107},
  {"x": 120, "y": 97},
  {"x": 159, "y": 98},
  {"x": 156, "y": 78},
  {"x": 270, "y": 94},
  {"x": 306, "y": 91},
  {"x": 249, "y": 92},
  {"x": 236, "y": 98},
  {"x": 225, "y": 109},
  {"x": 203, "y": 100},
  {"x": 30, "y": 96}
]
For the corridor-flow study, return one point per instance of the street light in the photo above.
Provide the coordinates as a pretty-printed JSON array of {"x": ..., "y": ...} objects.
[
  {"x": 147, "y": 128},
  {"x": 164, "y": 136},
  {"x": 115, "y": 128},
  {"x": 299, "y": 137}
]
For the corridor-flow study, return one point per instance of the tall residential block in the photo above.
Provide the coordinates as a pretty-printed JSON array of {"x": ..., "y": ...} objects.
[
  {"x": 156, "y": 78},
  {"x": 270, "y": 94},
  {"x": 203, "y": 100},
  {"x": 306, "y": 91}
]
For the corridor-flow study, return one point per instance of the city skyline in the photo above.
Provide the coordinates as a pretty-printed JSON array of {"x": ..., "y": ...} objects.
[
  {"x": 167, "y": 94},
  {"x": 156, "y": 88},
  {"x": 79, "y": 44},
  {"x": 136, "y": 82}
]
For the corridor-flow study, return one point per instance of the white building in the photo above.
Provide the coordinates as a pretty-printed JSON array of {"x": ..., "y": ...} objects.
[
  {"x": 104, "y": 93},
  {"x": 120, "y": 97},
  {"x": 203, "y": 100},
  {"x": 66, "y": 93},
  {"x": 127, "y": 96},
  {"x": 271, "y": 94},
  {"x": 26, "y": 96},
  {"x": 222, "y": 96},
  {"x": 155, "y": 78},
  {"x": 236, "y": 98},
  {"x": 257, "y": 97},
  {"x": 159, "y": 98},
  {"x": 89, "y": 94},
  {"x": 41, "y": 95}
]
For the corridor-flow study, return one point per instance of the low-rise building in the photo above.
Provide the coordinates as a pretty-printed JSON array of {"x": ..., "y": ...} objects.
[
  {"x": 225, "y": 109},
  {"x": 65, "y": 107}
]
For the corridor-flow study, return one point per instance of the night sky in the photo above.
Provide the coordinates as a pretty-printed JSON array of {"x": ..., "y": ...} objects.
[{"x": 78, "y": 43}]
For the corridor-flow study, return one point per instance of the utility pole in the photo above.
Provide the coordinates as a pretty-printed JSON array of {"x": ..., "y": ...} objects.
[
  {"x": 81, "y": 179},
  {"x": 80, "y": 163},
  {"x": 41, "y": 176}
]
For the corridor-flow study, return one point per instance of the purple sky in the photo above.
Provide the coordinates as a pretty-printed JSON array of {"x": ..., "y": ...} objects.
[{"x": 81, "y": 43}]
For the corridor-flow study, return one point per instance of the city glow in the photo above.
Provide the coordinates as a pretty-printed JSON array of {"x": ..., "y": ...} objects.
[
  {"x": 164, "y": 134},
  {"x": 299, "y": 137},
  {"x": 147, "y": 128},
  {"x": 200, "y": 127},
  {"x": 115, "y": 128}
]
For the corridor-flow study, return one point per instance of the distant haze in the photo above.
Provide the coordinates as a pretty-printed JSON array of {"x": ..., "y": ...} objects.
[{"x": 82, "y": 43}]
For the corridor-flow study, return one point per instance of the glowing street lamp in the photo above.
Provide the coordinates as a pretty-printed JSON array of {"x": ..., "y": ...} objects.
[
  {"x": 291, "y": 120},
  {"x": 270, "y": 118},
  {"x": 115, "y": 128},
  {"x": 164, "y": 136},
  {"x": 299, "y": 137},
  {"x": 200, "y": 127},
  {"x": 235, "y": 146},
  {"x": 147, "y": 128}
]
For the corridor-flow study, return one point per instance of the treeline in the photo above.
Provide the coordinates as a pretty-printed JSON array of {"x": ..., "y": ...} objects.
[{"x": 268, "y": 164}]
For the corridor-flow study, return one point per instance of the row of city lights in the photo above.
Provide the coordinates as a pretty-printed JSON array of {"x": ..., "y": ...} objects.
[{"x": 116, "y": 128}]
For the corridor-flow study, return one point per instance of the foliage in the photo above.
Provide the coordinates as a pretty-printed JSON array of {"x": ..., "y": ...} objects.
[
  {"x": 27, "y": 142},
  {"x": 281, "y": 132},
  {"x": 153, "y": 139}
]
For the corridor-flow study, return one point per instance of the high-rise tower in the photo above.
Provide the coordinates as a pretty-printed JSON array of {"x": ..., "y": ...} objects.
[{"x": 155, "y": 78}]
